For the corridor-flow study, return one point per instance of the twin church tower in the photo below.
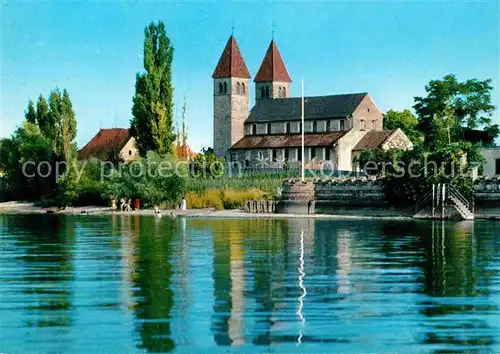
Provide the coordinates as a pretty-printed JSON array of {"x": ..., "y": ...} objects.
[{"x": 231, "y": 92}]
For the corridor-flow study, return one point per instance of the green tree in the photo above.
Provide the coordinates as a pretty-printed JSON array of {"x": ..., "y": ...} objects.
[
  {"x": 30, "y": 113},
  {"x": 52, "y": 127},
  {"x": 152, "y": 110},
  {"x": 404, "y": 120},
  {"x": 455, "y": 107},
  {"x": 154, "y": 179},
  {"x": 207, "y": 165},
  {"x": 43, "y": 114},
  {"x": 66, "y": 191},
  {"x": 19, "y": 158},
  {"x": 46, "y": 138},
  {"x": 60, "y": 125},
  {"x": 68, "y": 127}
]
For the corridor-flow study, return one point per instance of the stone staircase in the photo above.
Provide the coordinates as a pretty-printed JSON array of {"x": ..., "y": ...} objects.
[
  {"x": 462, "y": 209},
  {"x": 444, "y": 201}
]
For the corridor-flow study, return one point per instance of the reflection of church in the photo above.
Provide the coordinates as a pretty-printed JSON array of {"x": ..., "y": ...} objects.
[
  {"x": 290, "y": 265},
  {"x": 263, "y": 285}
]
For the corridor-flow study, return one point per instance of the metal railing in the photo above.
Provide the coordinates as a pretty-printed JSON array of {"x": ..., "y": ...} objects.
[
  {"x": 438, "y": 196},
  {"x": 455, "y": 193},
  {"x": 424, "y": 201}
]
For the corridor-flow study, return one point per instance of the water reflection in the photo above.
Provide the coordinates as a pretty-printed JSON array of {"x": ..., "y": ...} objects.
[
  {"x": 159, "y": 285},
  {"x": 450, "y": 273},
  {"x": 152, "y": 280},
  {"x": 449, "y": 267},
  {"x": 48, "y": 272}
]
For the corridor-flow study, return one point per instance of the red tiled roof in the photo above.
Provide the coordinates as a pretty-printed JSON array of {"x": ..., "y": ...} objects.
[
  {"x": 288, "y": 140},
  {"x": 105, "y": 140},
  {"x": 231, "y": 63},
  {"x": 272, "y": 67},
  {"x": 373, "y": 139}
]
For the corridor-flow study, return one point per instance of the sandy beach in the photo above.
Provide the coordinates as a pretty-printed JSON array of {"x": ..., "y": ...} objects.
[{"x": 30, "y": 208}]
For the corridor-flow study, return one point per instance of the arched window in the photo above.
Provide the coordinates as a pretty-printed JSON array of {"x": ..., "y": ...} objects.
[
  {"x": 238, "y": 88},
  {"x": 284, "y": 92},
  {"x": 262, "y": 92},
  {"x": 225, "y": 87},
  {"x": 221, "y": 88},
  {"x": 267, "y": 91},
  {"x": 243, "y": 88},
  {"x": 279, "y": 92}
]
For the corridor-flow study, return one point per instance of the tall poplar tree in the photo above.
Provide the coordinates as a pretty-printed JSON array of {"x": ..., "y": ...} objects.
[
  {"x": 56, "y": 120},
  {"x": 152, "y": 110},
  {"x": 42, "y": 113},
  {"x": 52, "y": 128},
  {"x": 68, "y": 127},
  {"x": 30, "y": 113},
  {"x": 60, "y": 127}
]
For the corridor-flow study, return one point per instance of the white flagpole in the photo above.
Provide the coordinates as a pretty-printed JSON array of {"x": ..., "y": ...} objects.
[{"x": 303, "y": 128}]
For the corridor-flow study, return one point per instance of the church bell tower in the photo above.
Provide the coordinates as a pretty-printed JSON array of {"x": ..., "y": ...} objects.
[
  {"x": 272, "y": 79},
  {"x": 231, "y": 98}
]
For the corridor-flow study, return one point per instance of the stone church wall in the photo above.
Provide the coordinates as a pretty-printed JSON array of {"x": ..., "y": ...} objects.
[
  {"x": 262, "y": 158},
  {"x": 230, "y": 112},
  {"x": 367, "y": 111}
]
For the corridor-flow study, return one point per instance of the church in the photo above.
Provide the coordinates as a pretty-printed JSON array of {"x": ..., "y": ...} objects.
[{"x": 269, "y": 135}]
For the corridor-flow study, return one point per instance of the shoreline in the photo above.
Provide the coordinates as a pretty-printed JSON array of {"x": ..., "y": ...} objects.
[{"x": 23, "y": 208}]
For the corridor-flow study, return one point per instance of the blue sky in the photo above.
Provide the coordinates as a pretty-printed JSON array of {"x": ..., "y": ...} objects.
[{"x": 388, "y": 48}]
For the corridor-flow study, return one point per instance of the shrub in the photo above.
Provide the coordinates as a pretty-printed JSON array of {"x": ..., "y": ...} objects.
[
  {"x": 266, "y": 183},
  {"x": 154, "y": 180},
  {"x": 91, "y": 193},
  {"x": 236, "y": 199},
  {"x": 90, "y": 190},
  {"x": 66, "y": 190},
  {"x": 208, "y": 199}
]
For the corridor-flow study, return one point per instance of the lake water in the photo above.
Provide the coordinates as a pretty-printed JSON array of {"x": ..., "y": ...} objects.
[{"x": 126, "y": 284}]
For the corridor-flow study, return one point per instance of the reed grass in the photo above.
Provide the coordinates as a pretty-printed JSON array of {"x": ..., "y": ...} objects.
[
  {"x": 223, "y": 199},
  {"x": 266, "y": 183}
]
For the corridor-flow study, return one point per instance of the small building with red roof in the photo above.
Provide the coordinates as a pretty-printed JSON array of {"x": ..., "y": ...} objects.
[{"x": 108, "y": 143}]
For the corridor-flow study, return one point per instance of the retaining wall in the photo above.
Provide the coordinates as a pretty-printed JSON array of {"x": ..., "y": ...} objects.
[
  {"x": 487, "y": 198},
  {"x": 356, "y": 197},
  {"x": 365, "y": 197}
]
